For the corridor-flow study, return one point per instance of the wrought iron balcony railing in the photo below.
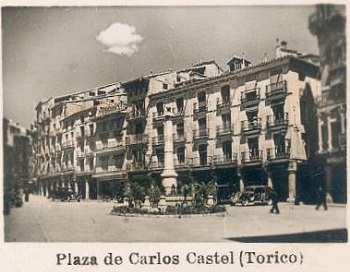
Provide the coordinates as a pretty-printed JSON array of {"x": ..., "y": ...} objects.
[
  {"x": 252, "y": 156},
  {"x": 273, "y": 121},
  {"x": 224, "y": 129},
  {"x": 200, "y": 133},
  {"x": 251, "y": 125},
  {"x": 224, "y": 159},
  {"x": 276, "y": 88},
  {"x": 250, "y": 96},
  {"x": 278, "y": 153},
  {"x": 137, "y": 139},
  {"x": 159, "y": 140}
]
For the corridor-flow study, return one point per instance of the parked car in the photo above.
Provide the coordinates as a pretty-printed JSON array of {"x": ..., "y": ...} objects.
[
  {"x": 253, "y": 195},
  {"x": 65, "y": 194}
]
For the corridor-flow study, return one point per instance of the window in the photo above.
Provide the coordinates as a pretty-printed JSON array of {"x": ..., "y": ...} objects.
[
  {"x": 202, "y": 124},
  {"x": 180, "y": 129},
  {"x": 253, "y": 144},
  {"x": 278, "y": 112},
  {"x": 82, "y": 131},
  {"x": 160, "y": 132},
  {"x": 201, "y": 98},
  {"x": 160, "y": 108},
  {"x": 138, "y": 128},
  {"x": 180, "y": 104},
  {"x": 227, "y": 150},
  {"x": 225, "y": 94},
  {"x": 104, "y": 162},
  {"x": 180, "y": 155},
  {"x": 160, "y": 158},
  {"x": 203, "y": 154},
  {"x": 165, "y": 86},
  {"x": 276, "y": 75},
  {"x": 226, "y": 120}
]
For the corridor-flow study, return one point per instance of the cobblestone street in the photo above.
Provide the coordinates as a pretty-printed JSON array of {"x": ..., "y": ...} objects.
[{"x": 43, "y": 220}]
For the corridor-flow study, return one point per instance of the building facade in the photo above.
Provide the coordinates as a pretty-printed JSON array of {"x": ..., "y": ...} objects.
[
  {"x": 328, "y": 24},
  {"x": 17, "y": 160},
  {"x": 249, "y": 125}
]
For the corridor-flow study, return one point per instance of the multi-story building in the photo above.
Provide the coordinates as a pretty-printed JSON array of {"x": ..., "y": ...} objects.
[
  {"x": 144, "y": 148},
  {"x": 253, "y": 125},
  {"x": 328, "y": 24},
  {"x": 249, "y": 125},
  {"x": 65, "y": 147},
  {"x": 17, "y": 150}
]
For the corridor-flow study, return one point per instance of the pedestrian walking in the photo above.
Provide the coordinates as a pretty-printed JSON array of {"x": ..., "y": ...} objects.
[
  {"x": 321, "y": 199},
  {"x": 274, "y": 198}
]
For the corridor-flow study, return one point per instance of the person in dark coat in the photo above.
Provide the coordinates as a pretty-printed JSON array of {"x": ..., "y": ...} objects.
[
  {"x": 274, "y": 197},
  {"x": 321, "y": 199}
]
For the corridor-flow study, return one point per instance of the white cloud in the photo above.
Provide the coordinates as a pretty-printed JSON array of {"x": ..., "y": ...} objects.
[{"x": 121, "y": 39}]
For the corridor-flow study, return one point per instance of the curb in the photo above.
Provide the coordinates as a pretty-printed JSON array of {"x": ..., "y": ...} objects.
[{"x": 221, "y": 214}]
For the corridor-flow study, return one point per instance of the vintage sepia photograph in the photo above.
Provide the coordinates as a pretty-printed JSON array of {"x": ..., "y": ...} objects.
[{"x": 174, "y": 124}]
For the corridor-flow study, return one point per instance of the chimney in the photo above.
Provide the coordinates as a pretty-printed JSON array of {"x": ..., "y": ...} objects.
[
  {"x": 265, "y": 57},
  {"x": 243, "y": 61},
  {"x": 278, "y": 49}
]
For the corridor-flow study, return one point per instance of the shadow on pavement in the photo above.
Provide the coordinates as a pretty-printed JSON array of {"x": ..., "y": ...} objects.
[{"x": 326, "y": 236}]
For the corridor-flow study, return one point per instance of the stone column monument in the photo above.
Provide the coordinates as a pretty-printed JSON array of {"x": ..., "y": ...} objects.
[{"x": 169, "y": 175}]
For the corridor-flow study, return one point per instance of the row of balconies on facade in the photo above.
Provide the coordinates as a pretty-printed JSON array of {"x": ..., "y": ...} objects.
[
  {"x": 249, "y": 97},
  {"x": 223, "y": 130},
  {"x": 277, "y": 154},
  {"x": 338, "y": 143},
  {"x": 247, "y": 157}
]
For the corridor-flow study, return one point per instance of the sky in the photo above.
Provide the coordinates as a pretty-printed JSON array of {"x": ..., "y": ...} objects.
[{"x": 51, "y": 51}]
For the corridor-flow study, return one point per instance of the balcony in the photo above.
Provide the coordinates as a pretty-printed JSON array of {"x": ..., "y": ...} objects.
[
  {"x": 90, "y": 134},
  {"x": 276, "y": 90},
  {"x": 67, "y": 144},
  {"x": 68, "y": 168},
  {"x": 80, "y": 135},
  {"x": 277, "y": 123},
  {"x": 330, "y": 99},
  {"x": 137, "y": 115},
  {"x": 255, "y": 156},
  {"x": 250, "y": 98},
  {"x": 157, "y": 165},
  {"x": 109, "y": 148},
  {"x": 224, "y": 130},
  {"x": 179, "y": 138},
  {"x": 181, "y": 164},
  {"x": 221, "y": 160},
  {"x": 111, "y": 109},
  {"x": 137, "y": 139},
  {"x": 136, "y": 166},
  {"x": 82, "y": 172},
  {"x": 158, "y": 117},
  {"x": 200, "y": 134},
  {"x": 251, "y": 127},
  {"x": 159, "y": 140},
  {"x": 80, "y": 155},
  {"x": 89, "y": 151},
  {"x": 200, "y": 111},
  {"x": 201, "y": 161},
  {"x": 223, "y": 107},
  {"x": 278, "y": 154},
  {"x": 108, "y": 171}
]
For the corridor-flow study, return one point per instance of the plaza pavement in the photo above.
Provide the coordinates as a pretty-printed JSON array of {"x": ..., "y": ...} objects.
[{"x": 44, "y": 220}]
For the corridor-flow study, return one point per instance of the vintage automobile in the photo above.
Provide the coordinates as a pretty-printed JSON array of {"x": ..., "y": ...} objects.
[
  {"x": 253, "y": 195},
  {"x": 65, "y": 194}
]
